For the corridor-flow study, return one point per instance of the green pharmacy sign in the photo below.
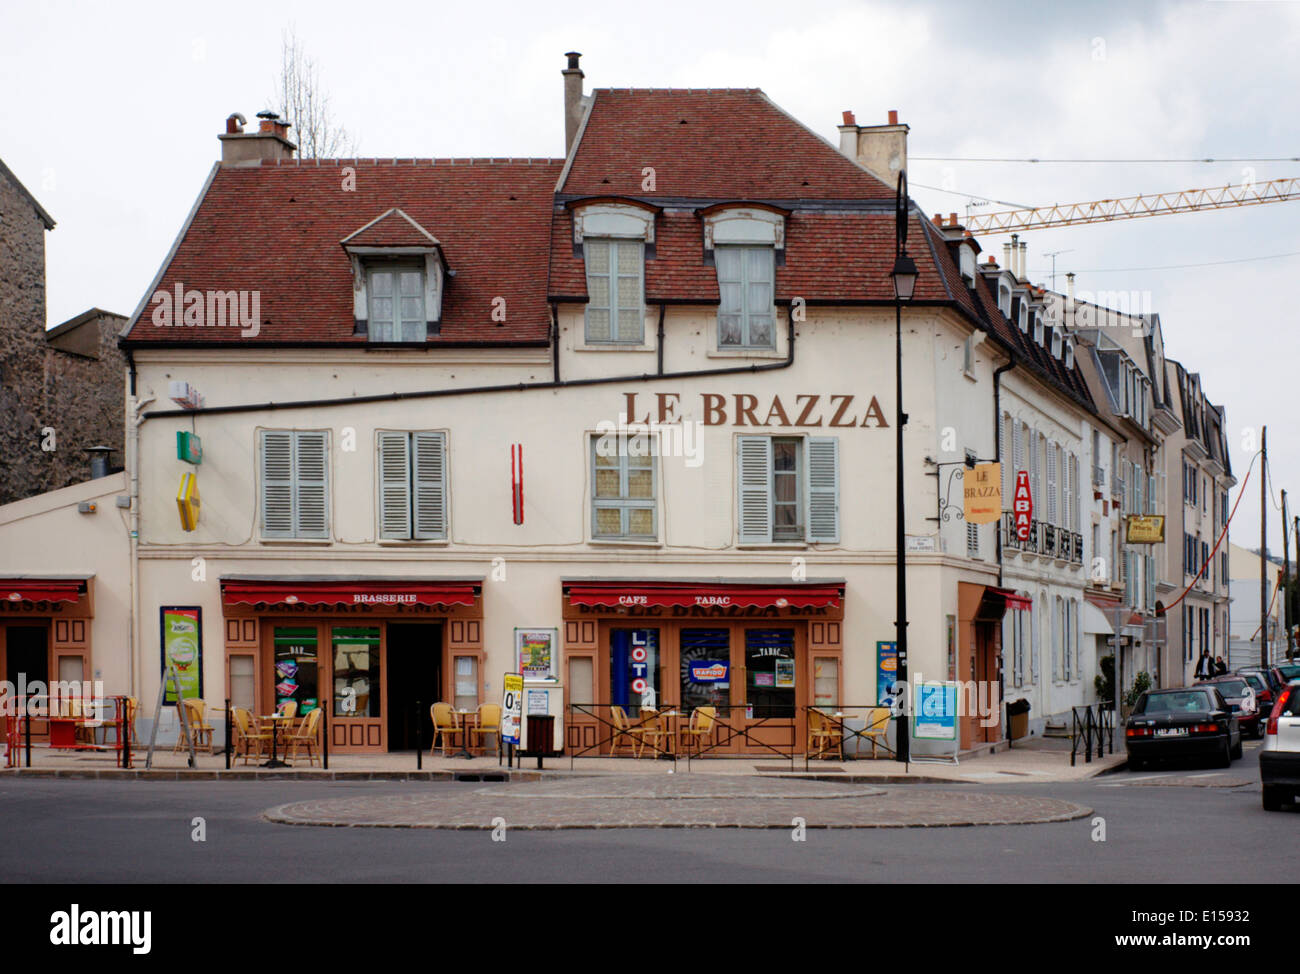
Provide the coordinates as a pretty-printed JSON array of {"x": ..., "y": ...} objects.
[{"x": 189, "y": 447}]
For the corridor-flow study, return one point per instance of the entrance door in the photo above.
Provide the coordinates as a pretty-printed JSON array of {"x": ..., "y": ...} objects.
[
  {"x": 414, "y": 657},
  {"x": 773, "y": 691},
  {"x": 26, "y": 657},
  {"x": 355, "y": 654}
]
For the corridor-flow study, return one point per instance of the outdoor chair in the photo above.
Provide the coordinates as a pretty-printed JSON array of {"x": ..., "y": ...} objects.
[
  {"x": 624, "y": 732},
  {"x": 445, "y": 727},
  {"x": 700, "y": 727},
  {"x": 824, "y": 735},
  {"x": 196, "y": 715},
  {"x": 877, "y": 726},
  {"x": 305, "y": 736},
  {"x": 250, "y": 741},
  {"x": 287, "y": 708},
  {"x": 652, "y": 729},
  {"x": 489, "y": 722}
]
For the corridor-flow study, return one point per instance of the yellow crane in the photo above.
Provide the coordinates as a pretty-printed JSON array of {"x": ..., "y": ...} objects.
[{"x": 1132, "y": 207}]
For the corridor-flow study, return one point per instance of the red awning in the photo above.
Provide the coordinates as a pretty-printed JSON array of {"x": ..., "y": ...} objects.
[
  {"x": 1014, "y": 600},
  {"x": 41, "y": 589},
  {"x": 707, "y": 594},
  {"x": 344, "y": 592}
]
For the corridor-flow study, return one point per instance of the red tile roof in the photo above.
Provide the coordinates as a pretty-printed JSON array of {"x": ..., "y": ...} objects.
[
  {"x": 721, "y": 144},
  {"x": 392, "y": 229},
  {"x": 277, "y": 229}
]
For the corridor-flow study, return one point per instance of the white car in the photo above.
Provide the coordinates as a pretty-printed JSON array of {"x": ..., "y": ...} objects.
[{"x": 1279, "y": 758}]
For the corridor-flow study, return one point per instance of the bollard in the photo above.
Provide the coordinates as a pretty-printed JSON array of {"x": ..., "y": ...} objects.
[
  {"x": 27, "y": 728},
  {"x": 324, "y": 735},
  {"x": 228, "y": 733},
  {"x": 419, "y": 739}
]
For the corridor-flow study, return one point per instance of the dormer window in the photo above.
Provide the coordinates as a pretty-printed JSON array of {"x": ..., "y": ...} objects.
[
  {"x": 1056, "y": 344},
  {"x": 398, "y": 274},
  {"x": 614, "y": 237},
  {"x": 746, "y": 242},
  {"x": 1069, "y": 355},
  {"x": 966, "y": 261},
  {"x": 1038, "y": 329},
  {"x": 1024, "y": 316},
  {"x": 1004, "y": 300}
]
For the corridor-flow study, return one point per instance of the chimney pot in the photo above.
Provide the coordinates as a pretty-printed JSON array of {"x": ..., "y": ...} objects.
[
  {"x": 952, "y": 219},
  {"x": 235, "y": 123},
  {"x": 938, "y": 219},
  {"x": 893, "y": 116},
  {"x": 572, "y": 100},
  {"x": 849, "y": 119}
]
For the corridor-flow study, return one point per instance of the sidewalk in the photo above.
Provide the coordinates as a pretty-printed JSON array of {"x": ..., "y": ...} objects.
[{"x": 1028, "y": 761}]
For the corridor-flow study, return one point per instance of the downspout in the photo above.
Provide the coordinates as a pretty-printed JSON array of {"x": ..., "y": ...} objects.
[
  {"x": 134, "y": 422},
  {"x": 555, "y": 341},
  {"x": 660, "y": 344}
]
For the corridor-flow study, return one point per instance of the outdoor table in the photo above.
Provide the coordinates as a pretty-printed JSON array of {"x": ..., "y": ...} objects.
[
  {"x": 465, "y": 715},
  {"x": 670, "y": 750},
  {"x": 276, "y": 720}
]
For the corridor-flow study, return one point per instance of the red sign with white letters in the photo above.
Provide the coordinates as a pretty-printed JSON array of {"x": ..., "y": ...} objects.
[{"x": 1022, "y": 505}]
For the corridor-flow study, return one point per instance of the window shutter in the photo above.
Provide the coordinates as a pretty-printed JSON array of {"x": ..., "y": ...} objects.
[
  {"x": 1036, "y": 634},
  {"x": 1004, "y": 454},
  {"x": 754, "y": 488},
  {"x": 429, "y": 453},
  {"x": 277, "y": 484},
  {"x": 1019, "y": 448},
  {"x": 1056, "y": 638},
  {"x": 1051, "y": 483},
  {"x": 311, "y": 485},
  {"x": 823, "y": 488},
  {"x": 394, "y": 485}
]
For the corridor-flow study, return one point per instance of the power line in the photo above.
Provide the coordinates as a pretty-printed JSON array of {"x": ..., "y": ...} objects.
[
  {"x": 1105, "y": 161},
  {"x": 971, "y": 196},
  {"x": 1170, "y": 267}
]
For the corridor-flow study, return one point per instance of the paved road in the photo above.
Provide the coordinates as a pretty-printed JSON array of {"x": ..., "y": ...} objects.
[{"x": 1180, "y": 825}]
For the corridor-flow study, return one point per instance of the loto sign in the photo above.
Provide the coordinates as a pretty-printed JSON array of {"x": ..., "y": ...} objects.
[{"x": 1022, "y": 505}]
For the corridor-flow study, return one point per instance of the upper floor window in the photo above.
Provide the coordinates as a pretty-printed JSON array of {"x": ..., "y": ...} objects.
[
  {"x": 396, "y": 293},
  {"x": 746, "y": 315},
  {"x": 788, "y": 489},
  {"x": 623, "y": 476},
  {"x": 615, "y": 290},
  {"x": 412, "y": 485},
  {"x": 1004, "y": 300},
  {"x": 295, "y": 483},
  {"x": 1038, "y": 330}
]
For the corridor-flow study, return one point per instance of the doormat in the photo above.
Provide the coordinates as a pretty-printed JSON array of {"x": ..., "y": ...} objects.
[{"x": 786, "y": 768}]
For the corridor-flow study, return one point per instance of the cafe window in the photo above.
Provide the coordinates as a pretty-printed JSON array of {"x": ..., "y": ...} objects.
[
  {"x": 356, "y": 671},
  {"x": 634, "y": 668},
  {"x": 826, "y": 682},
  {"x": 466, "y": 668},
  {"x": 705, "y": 661},
  {"x": 296, "y": 666},
  {"x": 623, "y": 505},
  {"x": 242, "y": 682},
  {"x": 770, "y": 673}
]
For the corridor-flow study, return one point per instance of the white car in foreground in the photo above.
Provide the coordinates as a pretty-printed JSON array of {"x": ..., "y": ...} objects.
[{"x": 1279, "y": 758}]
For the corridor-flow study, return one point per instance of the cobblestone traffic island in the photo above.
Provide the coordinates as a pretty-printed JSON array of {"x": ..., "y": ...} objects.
[{"x": 671, "y": 801}]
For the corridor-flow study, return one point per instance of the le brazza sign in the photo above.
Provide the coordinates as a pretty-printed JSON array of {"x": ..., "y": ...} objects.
[
  {"x": 982, "y": 493},
  {"x": 1023, "y": 505}
]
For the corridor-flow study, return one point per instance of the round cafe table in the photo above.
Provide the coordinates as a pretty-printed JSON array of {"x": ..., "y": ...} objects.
[
  {"x": 275, "y": 720},
  {"x": 465, "y": 716}
]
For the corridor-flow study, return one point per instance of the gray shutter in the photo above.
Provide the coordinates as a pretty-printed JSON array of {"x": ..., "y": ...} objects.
[
  {"x": 429, "y": 463},
  {"x": 394, "y": 463},
  {"x": 754, "y": 489},
  {"x": 311, "y": 485},
  {"x": 823, "y": 488},
  {"x": 277, "y": 484}
]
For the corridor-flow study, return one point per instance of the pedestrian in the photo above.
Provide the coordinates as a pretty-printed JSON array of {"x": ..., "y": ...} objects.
[
  {"x": 1204, "y": 666},
  {"x": 1220, "y": 667}
]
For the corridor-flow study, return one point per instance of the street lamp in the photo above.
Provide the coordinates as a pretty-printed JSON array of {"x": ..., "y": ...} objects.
[{"x": 904, "y": 276}]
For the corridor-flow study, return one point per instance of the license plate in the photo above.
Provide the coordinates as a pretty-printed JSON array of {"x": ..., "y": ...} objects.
[{"x": 1171, "y": 732}]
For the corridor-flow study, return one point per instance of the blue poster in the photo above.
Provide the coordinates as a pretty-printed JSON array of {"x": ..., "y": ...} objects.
[
  {"x": 886, "y": 671},
  {"x": 935, "y": 717},
  {"x": 709, "y": 671}
]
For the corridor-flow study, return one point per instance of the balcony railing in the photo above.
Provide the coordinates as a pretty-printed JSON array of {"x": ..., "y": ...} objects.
[{"x": 1116, "y": 486}]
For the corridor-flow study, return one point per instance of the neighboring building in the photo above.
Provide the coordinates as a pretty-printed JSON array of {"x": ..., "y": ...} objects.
[
  {"x": 61, "y": 390},
  {"x": 1198, "y": 474},
  {"x": 1246, "y": 640}
]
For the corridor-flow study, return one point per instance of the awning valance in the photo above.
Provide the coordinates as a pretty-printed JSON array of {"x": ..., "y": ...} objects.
[
  {"x": 354, "y": 592},
  {"x": 705, "y": 593},
  {"x": 42, "y": 589}
]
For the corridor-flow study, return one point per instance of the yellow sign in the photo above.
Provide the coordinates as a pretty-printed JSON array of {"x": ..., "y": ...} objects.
[
  {"x": 1144, "y": 529},
  {"x": 187, "y": 501},
  {"x": 982, "y": 487}
]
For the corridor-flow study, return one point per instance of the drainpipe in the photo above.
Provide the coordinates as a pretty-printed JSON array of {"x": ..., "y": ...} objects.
[
  {"x": 134, "y": 422},
  {"x": 555, "y": 341},
  {"x": 660, "y": 343}
]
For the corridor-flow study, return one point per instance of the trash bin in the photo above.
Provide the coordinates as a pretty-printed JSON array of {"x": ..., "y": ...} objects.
[
  {"x": 541, "y": 738},
  {"x": 1017, "y": 718}
]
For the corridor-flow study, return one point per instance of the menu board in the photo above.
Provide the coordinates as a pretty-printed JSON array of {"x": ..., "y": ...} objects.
[{"x": 182, "y": 650}]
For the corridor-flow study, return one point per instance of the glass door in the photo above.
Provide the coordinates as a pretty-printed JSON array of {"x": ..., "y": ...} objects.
[
  {"x": 770, "y": 674},
  {"x": 358, "y": 691}
]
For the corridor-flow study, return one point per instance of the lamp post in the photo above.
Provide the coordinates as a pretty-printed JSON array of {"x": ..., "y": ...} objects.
[{"x": 904, "y": 277}]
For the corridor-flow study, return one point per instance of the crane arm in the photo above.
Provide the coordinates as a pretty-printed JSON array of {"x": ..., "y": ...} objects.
[{"x": 1132, "y": 207}]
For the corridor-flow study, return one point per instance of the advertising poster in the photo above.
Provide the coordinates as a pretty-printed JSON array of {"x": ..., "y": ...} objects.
[
  {"x": 785, "y": 673},
  {"x": 512, "y": 706},
  {"x": 539, "y": 703},
  {"x": 182, "y": 648},
  {"x": 935, "y": 716},
  {"x": 886, "y": 670},
  {"x": 535, "y": 650}
]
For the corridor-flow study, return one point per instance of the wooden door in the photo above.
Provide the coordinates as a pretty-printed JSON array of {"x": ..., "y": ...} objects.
[
  {"x": 772, "y": 686},
  {"x": 358, "y": 674}
]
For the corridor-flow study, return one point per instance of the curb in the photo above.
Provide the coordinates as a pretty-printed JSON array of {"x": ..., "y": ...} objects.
[{"x": 173, "y": 774}]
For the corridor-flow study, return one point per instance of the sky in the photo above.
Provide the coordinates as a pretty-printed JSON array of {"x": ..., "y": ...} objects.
[{"x": 109, "y": 115}]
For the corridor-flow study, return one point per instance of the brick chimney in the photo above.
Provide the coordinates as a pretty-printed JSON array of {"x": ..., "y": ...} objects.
[
  {"x": 880, "y": 149},
  {"x": 268, "y": 144},
  {"x": 572, "y": 100}
]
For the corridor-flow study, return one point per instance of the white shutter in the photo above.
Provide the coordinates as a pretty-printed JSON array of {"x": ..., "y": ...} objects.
[
  {"x": 1018, "y": 452},
  {"x": 754, "y": 488},
  {"x": 277, "y": 484},
  {"x": 394, "y": 461},
  {"x": 311, "y": 485},
  {"x": 823, "y": 488},
  {"x": 1004, "y": 454},
  {"x": 429, "y": 452},
  {"x": 1051, "y": 483}
]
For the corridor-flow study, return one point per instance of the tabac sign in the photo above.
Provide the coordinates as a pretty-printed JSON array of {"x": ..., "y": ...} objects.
[
  {"x": 982, "y": 490},
  {"x": 1144, "y": 529},
  {"x": 1022, "y": 505}
]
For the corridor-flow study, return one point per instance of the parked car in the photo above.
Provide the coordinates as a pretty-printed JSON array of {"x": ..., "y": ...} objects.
[
  {"x": 1272, "y": 681},
  {"x": 1240, "y": 696},
  {"x": 1183, "y": 722},
  {"x": 1287, "y": 671},
  {"x": 1279, "y": 758},
  {"x": 1264, "y": 695}
]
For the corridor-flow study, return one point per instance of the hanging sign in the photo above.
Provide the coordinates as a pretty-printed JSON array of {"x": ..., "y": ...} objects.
[
  {"x": 1144, "y": 529},
  {"x": 982, "y": 489},
  {"x": 1023, "y": 505},
  {"x": 187, "y": 501},
  {"x": 512, "y": 706}
]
